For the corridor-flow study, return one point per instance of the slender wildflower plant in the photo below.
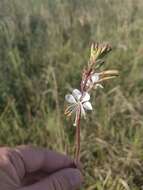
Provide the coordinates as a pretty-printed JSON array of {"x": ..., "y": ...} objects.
[{"x": 92, "y": 78}]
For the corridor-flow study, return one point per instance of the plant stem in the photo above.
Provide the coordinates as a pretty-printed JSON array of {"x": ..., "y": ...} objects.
[
  {"x": 83, "y": 86},
  {"x": 77, "y": 147},
  {"x": 77, "y": 144}
]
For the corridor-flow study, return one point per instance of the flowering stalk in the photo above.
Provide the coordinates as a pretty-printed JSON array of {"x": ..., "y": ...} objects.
[
  {"x": 79, "y": 100},
  {"x": 77, "y": 151}
]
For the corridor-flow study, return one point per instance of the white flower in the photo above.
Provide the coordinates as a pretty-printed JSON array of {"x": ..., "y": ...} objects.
[
  {"x": 79, "y": 103},
  {"x": 95, "y": 77},
  {"x": 94, "y": 80}
]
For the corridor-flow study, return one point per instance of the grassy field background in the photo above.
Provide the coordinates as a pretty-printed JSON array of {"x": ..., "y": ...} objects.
[{"x": 43, "y": 46}]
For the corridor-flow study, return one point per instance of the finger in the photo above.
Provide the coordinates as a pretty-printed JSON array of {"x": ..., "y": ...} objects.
[
  {"x": 9, "y": 177},
  {"x": 34, "y": 177},
  {"x": 31, "y": 178},
  {"x": 35, "y": 159},
  {"x": 67, "y": 179}
]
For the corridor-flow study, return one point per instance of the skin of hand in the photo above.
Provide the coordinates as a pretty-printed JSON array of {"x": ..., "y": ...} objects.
[{"x": 31, "y": 168}]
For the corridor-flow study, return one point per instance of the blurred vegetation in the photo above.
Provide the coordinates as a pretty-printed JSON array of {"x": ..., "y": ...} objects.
[{"x": 44, "y": 44}]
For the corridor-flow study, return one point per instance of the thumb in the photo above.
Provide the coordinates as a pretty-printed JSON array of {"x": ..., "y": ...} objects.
[{"x": 67, "y": 179}]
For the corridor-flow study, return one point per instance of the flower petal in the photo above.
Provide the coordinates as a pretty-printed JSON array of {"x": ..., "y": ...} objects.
[
  {"x": 70, "y": 99},
  {"x": 86, "y": 97},
  {"x": 76, "y": 94},
  {"x": 87, "y": 106},
  {"x": 95, "y": 77}
]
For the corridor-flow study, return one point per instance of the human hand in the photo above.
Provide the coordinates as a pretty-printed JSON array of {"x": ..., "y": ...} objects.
[{"x": 30, "y": 168}]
